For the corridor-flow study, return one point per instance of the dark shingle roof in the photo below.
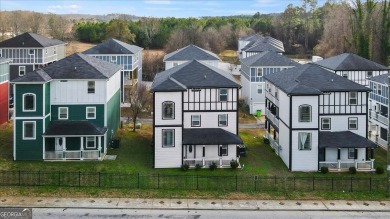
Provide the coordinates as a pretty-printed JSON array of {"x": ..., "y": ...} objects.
[
  {"x": 61, "y": 128},
  {"x": 191, "y": 52},
  {"x": 383, "y": 79},
  {"x": 350, "y": 62},
  {"x": 192, "y": 74},
  {"x": 345, "y": 139},
  {"x": 35, "y": 76},
  {"x": 209, "y": 136},
  {"x": 269, "y": 58},
  {"x": 76, "y": 66},
  {"x": 311, "y": 79},
  {"x": 30, "y": 40},
  {"x": 113, "y": 46},
  {"x": 258, "y": 43}
]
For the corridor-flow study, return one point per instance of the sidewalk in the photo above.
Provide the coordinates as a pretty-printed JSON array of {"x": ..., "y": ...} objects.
[{"x": 196, "y": 204}]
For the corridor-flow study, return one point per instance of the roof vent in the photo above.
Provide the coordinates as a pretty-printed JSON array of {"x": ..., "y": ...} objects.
[
  {"x": 205, "y": 77},
  {"x": 331, "y": 80},
  {"x": 75, "y": 68}
]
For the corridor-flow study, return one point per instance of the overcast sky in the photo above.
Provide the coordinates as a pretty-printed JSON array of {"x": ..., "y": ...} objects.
[{"x": 152, "y": 8}]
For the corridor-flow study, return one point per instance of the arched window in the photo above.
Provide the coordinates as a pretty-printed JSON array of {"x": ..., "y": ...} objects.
[
  {"x": 168, "y": 108},
  {"x": 304, "y": 113},
  {"x": 29, "y": 102}
]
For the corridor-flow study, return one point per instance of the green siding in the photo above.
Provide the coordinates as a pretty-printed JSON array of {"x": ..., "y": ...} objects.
[
  {"x": 29, "y": 149},
  {"x": 78, "y": 112},
  {"x": 47, "y": 98},
  {"x": 113, "y": 115},
  {"x": 36, "y": 89}
]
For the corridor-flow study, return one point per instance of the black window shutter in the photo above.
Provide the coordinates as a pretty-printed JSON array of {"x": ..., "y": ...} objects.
[
  {"x": 356, "y": 153},
  {"x": 220, "y": 151}
]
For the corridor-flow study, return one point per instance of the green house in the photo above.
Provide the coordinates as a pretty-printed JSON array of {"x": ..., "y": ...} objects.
[{"x": 69, "y": 110}]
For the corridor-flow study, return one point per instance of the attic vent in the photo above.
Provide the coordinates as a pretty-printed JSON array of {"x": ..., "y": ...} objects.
[{"x": 195, "y": 89}]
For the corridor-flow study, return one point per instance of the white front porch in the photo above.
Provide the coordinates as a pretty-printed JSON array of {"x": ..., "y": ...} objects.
[
  {"x": 206, "y": 162},
  {"x": 341, "y": 159},
  {"x": 205, "y": 155},
  {"x": 343, "y": 166}
]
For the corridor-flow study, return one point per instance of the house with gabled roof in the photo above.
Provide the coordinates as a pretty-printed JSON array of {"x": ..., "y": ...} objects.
[
  {"x": 189, "y": 53},
  {"x": 124, "y": 54},
  {"x": 69, "y": 110},
  {"x": 4, "y": 90},
  {"x": 253, "y": 69},
  {"x": 30, "y": 51},
  {"x": 353, "y": 67},
  {"x": 315, "y": 118},
  {"x": 195, "y": 119},
  {"x": 255, "y": 43}
]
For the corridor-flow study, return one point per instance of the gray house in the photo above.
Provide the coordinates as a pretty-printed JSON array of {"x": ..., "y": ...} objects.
[
  {"x": 253, "y": 69},
  {"x": 121, "y": 53},
  {"x": 254, "y": 44},
  {"x": 30, "y": 51}
]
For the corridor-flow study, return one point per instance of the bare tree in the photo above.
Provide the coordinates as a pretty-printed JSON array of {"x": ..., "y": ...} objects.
[
  {"x": 150, "y": 27},
  {"x": 58, "y": 26},
  {"x": 185, "y": 36},
  {"x": 215, "y": 41},
  {"x": 37, "y": 22},
  {"x": 4, "y": 24},
  {"x": 138, "y": 97},
  {"x": 19, "y": 22},
  {"x": 151, "y": 64}
]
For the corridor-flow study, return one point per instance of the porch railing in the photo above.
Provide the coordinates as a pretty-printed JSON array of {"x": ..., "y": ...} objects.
[
  {"x": 272, "y": 142},
  {"x": 378, "y": 117},
  {"x": 340, "y": 165},
  {"x": 206, "y": 162},
  {"x": 273, "y": 118},
  {"x": 72, "y": 155}
]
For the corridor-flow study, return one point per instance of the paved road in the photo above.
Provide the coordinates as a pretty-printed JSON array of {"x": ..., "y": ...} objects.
[{"x": 44, "y": 213}]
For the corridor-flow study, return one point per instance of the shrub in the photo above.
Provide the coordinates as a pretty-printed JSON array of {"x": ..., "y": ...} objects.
[
  {"x": 266, "y": 140},
  {"x": 198, "y": 166},
  {"x": 380, "y": 170},
  {"x": 352, "y": 170},
  {"x": 185, "y": 167},
  {"x": 233, "y": 164},
  {"x": 213, "y": 166},
  {"x": 324, "y": 170}
]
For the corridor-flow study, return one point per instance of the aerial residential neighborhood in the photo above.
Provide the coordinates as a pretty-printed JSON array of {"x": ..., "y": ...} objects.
[{"x": 228, "y": 105}]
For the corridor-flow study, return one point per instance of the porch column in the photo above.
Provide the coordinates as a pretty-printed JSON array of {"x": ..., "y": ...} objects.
[
  {"x": 203, "y": 162},
  {"x": 64, "y": 148},
  {"x": 100, "y": 146},
  {"x": 338, "y": 158},
  {"x": 220, "y": 162},
  {"x": 44, "y": 149},
  {"x": 81, "y": 148}
]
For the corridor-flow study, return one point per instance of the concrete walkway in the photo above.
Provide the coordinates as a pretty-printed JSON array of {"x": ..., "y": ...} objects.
[{"x": 196, "y": 204}]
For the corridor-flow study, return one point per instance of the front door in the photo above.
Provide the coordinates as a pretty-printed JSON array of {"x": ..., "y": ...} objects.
[
  {"x": 190, "y": 151},
  {"x": 60, "y": 144}
]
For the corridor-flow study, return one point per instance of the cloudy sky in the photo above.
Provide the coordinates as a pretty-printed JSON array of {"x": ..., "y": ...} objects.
[{"x": 152, "y": 8}]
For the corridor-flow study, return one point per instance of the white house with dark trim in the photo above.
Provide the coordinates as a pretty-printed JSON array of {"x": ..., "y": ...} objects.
[
  {"x": 30, "y": 51},
  {"x": 255, "y": 43},
  {"x": 353, "y": 67},
  {"x": 195, "y": 119},
  {"x": 253, "y": 69},
  {"x": 316, "y": 118},
  {"x": 121, "y": 53},
  {"x": 378, "y": 102},
  {"x": 189, "y": 53}
]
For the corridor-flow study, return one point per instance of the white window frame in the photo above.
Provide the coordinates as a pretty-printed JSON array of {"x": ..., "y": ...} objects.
[
  {"x": 59, "y": 113},
  {"x": 195, "y": 118},
  {"x": 223, "y": 147},
  {"x": 353, "y": 120},
  {"x": 324, "y": 123},
  {"x": 34, "y": 130},
  {"x": 219, "y": 96},
  {"x": 345, "y": 74},
  {"x": 379, "y": 89},
  {"x": 35, "y": 102},
  {"x": 369, "y": 74},
  {"x": 88, "y": 139},
  {"x": 94, "y": 87},
  {"x": 86, "y": 112},
  {"x": 353, "y": 98},
  {"x": 173, "y": 138},
  {"x": 219, "y": 120},
  {"x": 303, "y": 148},
  {"x": 259, "y": 73},
  {"x": 260, "y": 87},
  {"x": 300, "y": 113},
  {"x": 164, "y": 117},
  {"x": 113, "y": 59},
  {"x": 349, "y": 153},
  {"x": 33, "y": 52},
  {"x": 24, "y": 70}
]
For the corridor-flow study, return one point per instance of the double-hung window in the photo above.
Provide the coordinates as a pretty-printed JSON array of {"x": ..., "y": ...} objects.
[
  {"x": 353, "y": 98},
  {"x": 353, "y": 123},
  {"x": 222, "y": 120},
  {"x": 351, "y": 153},
  {"x": 304, "y": 140},
  {"x": 168, "y": 138},
  {"x": 168, "y": 110},
  {"x": 91, "y": 142},
  {"x": 91, "y": 87},
  {"x": 223, "y": 94},
  {"x": 62, "y": 112},
  {"x": 223, "y": 150},
  {"x": 195, "y": 120},
  {"x": 91, "y": 113},
  {"x": 29, "y": 130},
  {"x": 22, "y": 70},
  {"x": 29, "y": 102},
  {"x": 304, "y": 113}
]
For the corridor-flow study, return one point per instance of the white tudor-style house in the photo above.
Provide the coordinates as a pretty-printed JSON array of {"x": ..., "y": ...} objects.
[
  {"x": 316, "y": 118},
  {"x": 353, "y": 67},
  {"x": 121, "y": 53},
  {"x": 195, "y": 119},
  {"x": 254, "y": 44},
  {"x": 378, "y": 101},
  {"x": 253, "y": 69},
  {"x": 189, "y": 53}
]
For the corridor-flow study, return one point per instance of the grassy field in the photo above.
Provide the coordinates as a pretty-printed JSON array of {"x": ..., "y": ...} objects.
[
  {"x": 76, "y": 46},
  {"x": 229, "y": 56}
]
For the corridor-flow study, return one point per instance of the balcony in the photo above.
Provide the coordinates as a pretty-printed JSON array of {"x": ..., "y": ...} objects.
[
  {"x": 73, "y": 155},
  {"x": 271, "y": 117},
  {"x": 206, "y": 162},
  {"x": 378, "y": 117},
  {"x": 343, "y": 166}
]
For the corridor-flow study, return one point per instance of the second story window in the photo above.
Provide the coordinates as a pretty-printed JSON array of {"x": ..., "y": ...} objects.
[
  {"x": 22, "y": 70},
  {"x": 113, "y": 59},
  {"x": 31, "y": 52},
  {"x": 222, "y": 120},
  {"x": 223, "y": 94},
  {"x": 28, "y": 102},
  {"x": 195, "y": 120},
  {"x": 304, "y": 113},
  {"x": 352, "y": 123},
  {"x": 260, "y": 89},
  {"x": 168, "y": 110},
  {"x": 62, "y": 112},
  {"x": 369, "y": 74},
  {"x": 379, "y": 91},
  {"x": 352, "y": 98},
  {"x": 259, "y": 72},
  {"x": 325, "y": 123},
  {"x": 91, "y": 87},
  {"x": 91, "y": 112},
  {"x": 345, "y": 74}
]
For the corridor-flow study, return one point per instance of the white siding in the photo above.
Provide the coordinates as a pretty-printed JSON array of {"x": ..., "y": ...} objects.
[
  {"x": 161, "y": 97},
  {"x": 113, "y": 85},
  {"x": 304, "y": 160},
  {"x": 340, "y": 123},
  {"x": 245, "y": 90},
  {"x": 331, "y": 154},
  {"x": 169, "y": 64},
  {"x": 208, "y": 99},
  {"x": 284, "y": 137},
  {"x": 304, "y": 100},
  {"x": 76, "y": 92},
  {"x": 169, "y": 157},
  {"x": 210, "y": 120},
  {"x": 211, "y": 152},
  {"x": 284, "y": 108}
]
